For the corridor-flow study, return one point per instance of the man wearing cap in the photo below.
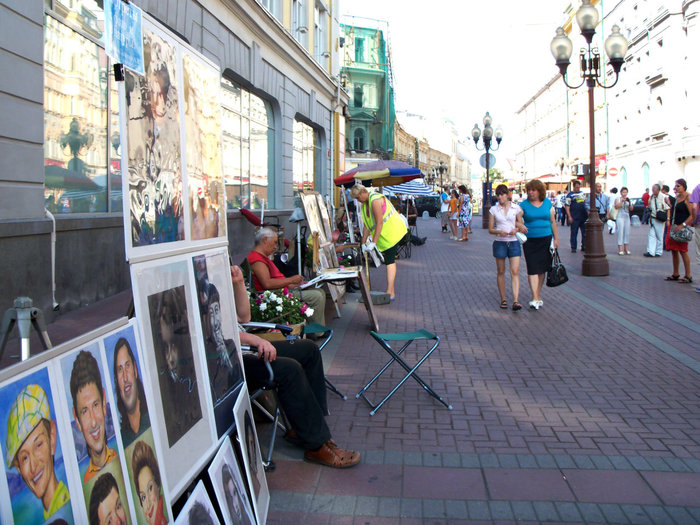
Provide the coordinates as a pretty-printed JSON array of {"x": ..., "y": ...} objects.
[
  {"x": 31, "y": 447},
  {"x": 90, "y": 411},
  {"x": 131, "y": 399}
]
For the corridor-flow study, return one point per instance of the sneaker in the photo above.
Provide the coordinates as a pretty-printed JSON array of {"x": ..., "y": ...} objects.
[{"x": 330, "y": 455}]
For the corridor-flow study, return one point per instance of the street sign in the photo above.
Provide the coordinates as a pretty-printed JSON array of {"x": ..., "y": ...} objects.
[
  {"x": 123, "y": 36},
  {"x": 492, "y": 160},
  {"x": 612, "y": 172}
]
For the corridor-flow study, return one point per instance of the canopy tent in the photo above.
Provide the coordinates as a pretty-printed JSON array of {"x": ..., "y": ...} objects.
[
  {"x": 413, "y": 187},
  {"x": 379, "y": 173}
]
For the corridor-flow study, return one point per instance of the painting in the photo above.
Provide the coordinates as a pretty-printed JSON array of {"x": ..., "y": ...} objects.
[
  {"x": 252, "y": 460},
  {"x": 123, "y": 355},
  {"x": 231, "y": 495},
  {"x": 324, "y": 217},
  {"x": 93, "y": 433},
  {"x": 198, "y": 510},
  {"x": 33, "y": 455},
  {"x": 205, "y": 180},
  {"x": 181, "y": 416},
  {"x": 217, "y": 314},
  {"x": 154, "y": 186}
]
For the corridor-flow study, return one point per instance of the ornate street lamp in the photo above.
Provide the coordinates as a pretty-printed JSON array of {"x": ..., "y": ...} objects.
[
  {"x": 486, "y": 140},
  {"x": 594, "y": 261},
  {"x": 442, "y": 169}
]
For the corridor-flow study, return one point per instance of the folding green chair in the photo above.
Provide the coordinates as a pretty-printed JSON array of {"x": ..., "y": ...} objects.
[
  {"x": 319, "y": 329},
  {"x": 409, "y": 337}
]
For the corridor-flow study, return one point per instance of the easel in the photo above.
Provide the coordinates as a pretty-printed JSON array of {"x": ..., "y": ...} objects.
[{"x": 25, "y": 315}]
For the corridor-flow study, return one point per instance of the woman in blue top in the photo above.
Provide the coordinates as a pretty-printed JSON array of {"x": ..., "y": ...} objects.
[{"x": 540, "y": 226}]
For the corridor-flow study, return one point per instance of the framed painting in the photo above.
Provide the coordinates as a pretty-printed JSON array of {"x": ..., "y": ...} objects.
[
  {"x": 198, "y": 509},
  {"x": 252, "y": 460},
  {"x": 217, "y": 315},
  {"x": 36, "y": 484},
  {"x": 181, "y": 419},
  {"x": 227, "y": 480}
]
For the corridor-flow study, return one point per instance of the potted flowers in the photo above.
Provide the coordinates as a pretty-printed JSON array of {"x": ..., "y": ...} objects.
[{"x": 279, "y": 306}]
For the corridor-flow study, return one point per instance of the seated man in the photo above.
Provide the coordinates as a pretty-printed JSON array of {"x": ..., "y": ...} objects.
[
  {"x": 266, "y": 276},
  {"x": 301, "y": 386}
]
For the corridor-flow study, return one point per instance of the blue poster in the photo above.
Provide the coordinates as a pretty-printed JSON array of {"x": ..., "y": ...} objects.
[{"x": 123, "y": 36}]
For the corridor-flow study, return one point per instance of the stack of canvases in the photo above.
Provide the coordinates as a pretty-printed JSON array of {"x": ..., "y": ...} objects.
[{"x": 116, "y": 426}]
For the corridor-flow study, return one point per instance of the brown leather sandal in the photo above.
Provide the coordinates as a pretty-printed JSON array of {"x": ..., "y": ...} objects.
[{"x": 330, "y": 455}]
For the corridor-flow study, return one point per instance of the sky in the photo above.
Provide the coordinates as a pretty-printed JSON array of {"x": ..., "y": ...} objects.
[{"x": 462, "y": 58}]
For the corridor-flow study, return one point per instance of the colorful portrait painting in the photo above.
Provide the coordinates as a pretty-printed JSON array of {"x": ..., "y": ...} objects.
[
  {"x": 146, "y": 481},
  {"x": 153, "y": 137},
  {"x": 174, "y": 361},
  {"x": 89, "y": 402},
  {"x": 207, "y": 198},
  {"x": 231, "y": 495},
  {"x": 218, "y": 317},
  {"x": 32, "y": 452}
]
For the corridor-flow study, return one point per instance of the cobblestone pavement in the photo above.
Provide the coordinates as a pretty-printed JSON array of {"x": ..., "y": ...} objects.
[{"x": 587, "y": 410}]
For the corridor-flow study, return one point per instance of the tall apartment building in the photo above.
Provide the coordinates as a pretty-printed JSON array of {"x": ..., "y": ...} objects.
[{"x": 60, "y": 148}]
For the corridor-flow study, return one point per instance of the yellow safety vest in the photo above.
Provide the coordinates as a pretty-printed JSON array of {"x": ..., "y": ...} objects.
[{"x": 393, "y": 229}]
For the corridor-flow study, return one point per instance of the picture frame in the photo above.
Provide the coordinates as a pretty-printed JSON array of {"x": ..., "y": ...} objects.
[
  {"x": 198, "y": 510},
  {"x": 252, "y": 458},
  {"x": 217, "y": 316},
  {"x": 229, "y": 487},
  {"x": 88, "y": 404},
  {"x": 22, "y": 501},
  {"x": 182, "y": 417}
]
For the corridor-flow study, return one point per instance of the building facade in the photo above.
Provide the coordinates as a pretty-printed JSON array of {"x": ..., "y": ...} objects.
[{"x": 60, "y": 151}]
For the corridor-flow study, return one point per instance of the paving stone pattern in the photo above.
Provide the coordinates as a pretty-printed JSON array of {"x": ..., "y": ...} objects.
[{"x": 586, "y": 411}]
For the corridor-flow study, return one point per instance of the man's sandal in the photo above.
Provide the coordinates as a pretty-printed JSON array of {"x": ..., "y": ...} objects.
[
  {"x": 672, "y": 278},
  {"x": 686, "y": 279},
  {"x": 330, "y": 455}
]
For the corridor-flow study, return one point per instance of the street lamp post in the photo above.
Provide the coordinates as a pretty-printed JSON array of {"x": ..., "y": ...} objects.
[
  {"x": 441, "y": 169},
  {"x": 594, "y": 261},
  {"x": 486, "y": 140}
]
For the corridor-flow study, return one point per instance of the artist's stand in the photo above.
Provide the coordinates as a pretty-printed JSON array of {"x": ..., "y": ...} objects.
[{"x": 26, "y": 316}]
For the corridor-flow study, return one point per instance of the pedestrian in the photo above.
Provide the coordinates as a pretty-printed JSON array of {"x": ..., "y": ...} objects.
[
  {"x": 383, "y": 228},
  {"x": 560, "y": 207},
  {"x": 540, "y": 226},
  {"x": 576, "y": 211},
  {"x": 645, "y": 200},
  {"x": 671, "y": 201},
  {"x": 465, "y": 211},
  {"x": 612, "y": 211},
  {"x": 444, "y": 208},
  {"x": 602, "y": 202},
  {"x": 695, "y": 203},
  {"x": 454, "y": 214},
  {"x": 658, "y": 217},
  {"x": 682, "y": 215},
  {"x": 505, "y": 219},
  {"x": 624, "y": 207}
]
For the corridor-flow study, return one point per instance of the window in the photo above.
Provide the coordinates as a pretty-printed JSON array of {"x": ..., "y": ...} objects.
[
  {"x": 306, "y": 153},
  {"x": 320, "y": 33},
  {"x": 274, "y": 6},
  {"x": 359, "y": 140},
  {"x": 360, "y": 50},
  {"x": 358, "y": 93},
  {"x": 82, "y": 166},
  {"x": 248, "y": 147},
  {"x": 299, "y": 22}
]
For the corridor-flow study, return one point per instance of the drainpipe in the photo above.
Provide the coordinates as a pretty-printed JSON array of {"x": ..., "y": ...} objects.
[{"x": 49, "y": 215}]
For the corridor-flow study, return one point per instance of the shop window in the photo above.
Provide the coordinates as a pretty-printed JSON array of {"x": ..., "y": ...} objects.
[
  {"x": 305, "y": 157},
  {"x": 82, "y": 162},
  {"x": 248, "y": 147}
]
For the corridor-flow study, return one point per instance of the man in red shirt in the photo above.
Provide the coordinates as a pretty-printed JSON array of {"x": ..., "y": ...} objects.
[{"x": 645, "y": 200}]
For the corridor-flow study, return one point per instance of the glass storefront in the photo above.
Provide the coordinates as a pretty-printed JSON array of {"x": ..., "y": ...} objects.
[
  {"x": 306, "y": 151},
  {"x": 82, "y": 172},
  {"x": 249, "y": 146}
]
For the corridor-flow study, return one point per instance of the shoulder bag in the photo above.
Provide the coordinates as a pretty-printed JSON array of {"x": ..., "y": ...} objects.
[
  {"x": 660, "y": 215},
  {"x": 684, "y": 235},
  {"x": 557, "y": 273}
]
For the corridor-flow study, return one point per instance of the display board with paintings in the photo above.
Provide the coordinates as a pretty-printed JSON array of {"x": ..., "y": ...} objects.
[{"x": 171, "y": 156}]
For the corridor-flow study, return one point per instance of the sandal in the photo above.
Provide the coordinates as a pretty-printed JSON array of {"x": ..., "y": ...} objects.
[
  {"x": 504, "y": 305},
  {"x": 686, "y": 279},
  {"x": 517, "y": 306},
  {"x": 672, "y": 278},
  {"x": 331, "y": 456}
]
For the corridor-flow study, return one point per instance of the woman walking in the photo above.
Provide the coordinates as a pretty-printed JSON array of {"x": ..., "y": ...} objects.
[
  {"x": 541, "y": 227},
  {"x": 622, "y": 222},
  {"x": 465, "y": 211},
  {"x": 454, "y": 214},
  {"x": 683, "y": 214},
  {"x": 505, "y": 220}
]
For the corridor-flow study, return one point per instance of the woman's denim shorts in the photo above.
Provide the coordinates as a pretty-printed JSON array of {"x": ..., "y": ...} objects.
[{"x": 503, "y": 249}]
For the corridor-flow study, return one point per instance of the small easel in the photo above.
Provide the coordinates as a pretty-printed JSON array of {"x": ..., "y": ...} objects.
[{"x": 25, "y": 315}]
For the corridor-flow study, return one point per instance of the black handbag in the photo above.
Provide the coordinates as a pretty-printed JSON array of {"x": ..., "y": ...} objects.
[
  {"x": 557, "y": 273},
  {"x": 661, "y": 216}
]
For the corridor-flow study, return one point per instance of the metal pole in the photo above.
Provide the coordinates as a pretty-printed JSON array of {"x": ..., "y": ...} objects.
[
  {"x": 486, "y": 205},
  {"x": 594, "y": 261}
]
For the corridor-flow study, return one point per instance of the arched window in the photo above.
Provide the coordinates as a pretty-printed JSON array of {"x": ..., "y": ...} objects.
[
  {"x": 645, "y": 174},
  {"x": 359, "y": 140},
  {"x": 623, "y": 173}
]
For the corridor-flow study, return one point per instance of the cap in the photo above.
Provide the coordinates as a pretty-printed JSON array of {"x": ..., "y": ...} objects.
[{"x": 30, "y": 407}]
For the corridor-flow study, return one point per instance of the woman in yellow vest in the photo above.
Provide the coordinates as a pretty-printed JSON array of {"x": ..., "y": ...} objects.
[{"x": 384, "y": 225}]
